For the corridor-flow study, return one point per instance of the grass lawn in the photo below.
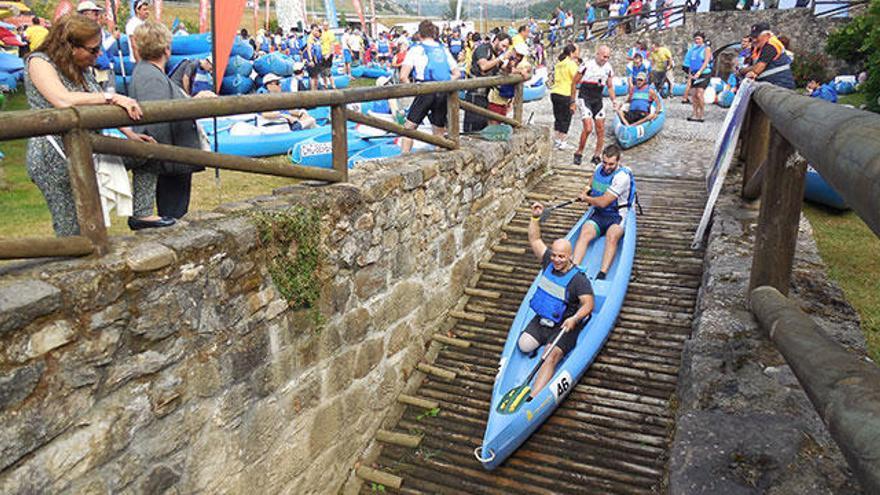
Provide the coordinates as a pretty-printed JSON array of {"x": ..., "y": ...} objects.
[
  {"x": 24, "y": 209},
  {"x": 850, "y": 250}
]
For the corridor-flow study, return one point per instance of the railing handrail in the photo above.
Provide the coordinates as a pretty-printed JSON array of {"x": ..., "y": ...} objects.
[
  {"x": 31, "y": 123},
  {"x": 842, "y": 143}
]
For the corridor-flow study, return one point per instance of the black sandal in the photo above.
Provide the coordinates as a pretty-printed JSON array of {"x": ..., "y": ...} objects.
[{"x": 692, "y": 119}]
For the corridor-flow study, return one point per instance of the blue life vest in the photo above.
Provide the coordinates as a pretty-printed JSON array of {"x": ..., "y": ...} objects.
[
  {"x": 601, "y": 183},
  {"x": 825, "y": 92},
  {"x": 551, "y": 297},
  {"x": 641, "y": 100},
  {"x": 634, "y": 71},
  {"x": 732, "y": 81},
  {"x": 203, "y": 81},
  {"x": 695, "y": 56},
  {"x": 455, "y": 46},
  {"x": 506, "y": 90},
  {"x": 103, "y": 61},
  {"x": 438, "y": 68},
  {"x": 383, "y": 46},
  {"x": 317, "y": 55},
  {"x": 265, "y": 46}
]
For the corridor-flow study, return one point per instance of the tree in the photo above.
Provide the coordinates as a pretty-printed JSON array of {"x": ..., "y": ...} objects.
[
  {"x": 856, "y": 43},
  {"x": 450, "y": 10}
]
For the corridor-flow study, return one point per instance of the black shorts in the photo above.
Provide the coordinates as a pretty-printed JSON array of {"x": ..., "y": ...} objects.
[
  {"x": 561, "y": 112},
  {"x": 313, "y": 70},
  {"x": 635, "y": 116},
  {"x": 433, "y": 106},
  {"x": 603, "y": 222},
  {"x": 658, "y": 78},
  {"x": 701, "y": 82},
  {"x": 590, "y": 108},
  {"x": 546, "y": 335}
]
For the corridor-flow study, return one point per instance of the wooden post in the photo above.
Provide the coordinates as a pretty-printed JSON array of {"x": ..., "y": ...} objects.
[
  {"x": 776, "y": 235},
  {"x": 340, "y": 140},
  {"x": 453, "y": 122},
  {"x": 84, "y": 183},
  {"x": 758, "y": 141},
  {"x": 518, "y": 103}
]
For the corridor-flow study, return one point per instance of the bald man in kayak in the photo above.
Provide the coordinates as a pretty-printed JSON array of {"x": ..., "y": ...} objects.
[{"x": 562, "y": 303}]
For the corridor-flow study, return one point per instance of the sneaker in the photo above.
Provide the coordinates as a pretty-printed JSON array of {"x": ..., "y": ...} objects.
[
  {"x": 595, "y": 160},
  {"x": 557, "y": 145},
  {"x": 601, "y": 275},
  {"x": 565, "y": 146},
  {"x": 577, "y": 159}
]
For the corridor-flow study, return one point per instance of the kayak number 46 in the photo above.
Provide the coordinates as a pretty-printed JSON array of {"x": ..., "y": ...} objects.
[{"x": 561, "y": 386}]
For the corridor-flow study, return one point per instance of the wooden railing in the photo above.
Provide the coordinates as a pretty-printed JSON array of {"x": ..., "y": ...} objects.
[
  {"x": 74, "y": 124},
  {"x": 843, "y": 144}
]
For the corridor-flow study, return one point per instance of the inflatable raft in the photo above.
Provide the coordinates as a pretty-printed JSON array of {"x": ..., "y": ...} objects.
[
  {"x": 506, "y": 430},
  {"x": 819, "y": 191}
]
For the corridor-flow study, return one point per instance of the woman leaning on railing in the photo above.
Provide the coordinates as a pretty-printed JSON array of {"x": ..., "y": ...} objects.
[{"x": 60, "y": 76}]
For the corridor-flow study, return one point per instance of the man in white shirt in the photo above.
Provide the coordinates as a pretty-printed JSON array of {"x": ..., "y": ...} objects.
[
  {"x": 141, "y": 14},
  {"x": 427, "y": 61}
]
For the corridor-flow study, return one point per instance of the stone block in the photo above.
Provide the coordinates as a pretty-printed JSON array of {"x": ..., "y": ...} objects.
[
  {"x": 370, "y": 280},
  {"x": 398, "y": 338},
  {"x": 339, "y": 373},
  {"x": 404, "y": 299},
  {"x": 17, "y": 385},
  {"x": 260, "y": 299},
  {"x": 235, "y": 207},
  {"x": 192, "y": 240},
  {"x": 143, "y": 363},
  {"x": 381, "y": 185},
  {"x": 275, "y": 308},
  {"x": 159, "y": 480},
  {"x": 329, "y": 340},
  {"x": 241, "y": 230},
  {"x": 22, "y": 302},
  {"x": 412, "y": 178},
  {"x": 325, "y": 430},
  {"x": 149, "y": 256},
  {"x": 368, "y": 356},
  {"x": 355, "y": 325},
  {"x": 51, "y": 336},
  {"x": 116, "y": 313},
  {"x": 305, "y": 394}
]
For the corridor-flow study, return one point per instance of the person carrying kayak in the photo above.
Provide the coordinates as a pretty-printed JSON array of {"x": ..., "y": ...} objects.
[
  {"x": 610, "y": 193},
  {"x": 562, "y": 302},
  {"x": 770, "y": 62},
  {"x": 427, "y": 61},
  {"x": 592, "y": 76},
  {"x": 640, "y": 99}
]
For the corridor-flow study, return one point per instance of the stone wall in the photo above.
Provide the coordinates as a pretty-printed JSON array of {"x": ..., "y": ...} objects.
[
  {"x": 174, "y": 364},
  {"x": 807, "y": 33}
]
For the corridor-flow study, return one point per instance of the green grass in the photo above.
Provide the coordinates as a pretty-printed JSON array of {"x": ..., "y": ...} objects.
[
  {"x": 855, "y": 99},
  {"x": 850, "y": 249}
]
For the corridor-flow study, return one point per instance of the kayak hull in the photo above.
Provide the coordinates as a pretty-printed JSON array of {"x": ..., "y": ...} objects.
[
  {"x": 317, "y": 151},
  {"x": 533, "y": 93},
  {"x": 258, "y": 144},
  {"x": 817, "y": 190},
  {"x": 632, "y": 135},
  {"x": 506, "y": 432}
]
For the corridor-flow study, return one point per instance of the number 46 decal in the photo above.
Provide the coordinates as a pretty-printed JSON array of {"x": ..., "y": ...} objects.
[{"x": 561, "y": 386}]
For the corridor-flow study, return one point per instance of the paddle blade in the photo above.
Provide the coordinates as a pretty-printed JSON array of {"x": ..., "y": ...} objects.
[{"x": 514, "y": 399}]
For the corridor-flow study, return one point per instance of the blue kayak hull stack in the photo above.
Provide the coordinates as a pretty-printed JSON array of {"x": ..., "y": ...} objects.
[{"x": 506, "y": 432}]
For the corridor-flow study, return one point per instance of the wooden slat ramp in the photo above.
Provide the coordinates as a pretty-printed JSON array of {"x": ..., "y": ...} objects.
[{"x": 611, "y": 434}]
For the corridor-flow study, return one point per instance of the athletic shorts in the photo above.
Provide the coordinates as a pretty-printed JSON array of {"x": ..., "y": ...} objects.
[
  {"x": 590, "y": 109},
  {"x": 561, "y": 112},
  {"x": 658, "y": 78},
  {"x": 603, "y": 222},
  {"x": 499, "y": 109},
  {"x": 635, "y": 115},
  {"x": 546, "y": 335},
  {"x": 432, "y": 106},
  {"x": 700, "y": 82},
  {"x": 314, "y": 70}
]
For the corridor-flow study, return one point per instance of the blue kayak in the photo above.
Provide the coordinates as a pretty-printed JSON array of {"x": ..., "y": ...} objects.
[
  {"x": 10, "y": 63},
  {"x": 631, "y": 135},
  {"x": 621, "y": 87},
  {"x": 819, "y": 191},
  {"x": 725, "y": 98},
  {"x": 376, "y": 152},
  {"x": 372, "y": 71},
  {"x": 276, "y": 63},
  {"x": 236, "y": 85},
  {"x": 257, "y": 144},
  {"x": 189, "y": 44},
  {"x": 505, "y": 431},
  {"x": 8, "y": 81},
  {"x": 534, "y": 92},
  {"x": 317, "y": 151},
  {"x": 678, "y": 89}
]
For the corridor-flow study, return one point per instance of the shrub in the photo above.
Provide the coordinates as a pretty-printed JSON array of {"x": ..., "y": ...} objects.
[
  {"x": 809, "y": 65},
  {"x": 857, "y": 43}
]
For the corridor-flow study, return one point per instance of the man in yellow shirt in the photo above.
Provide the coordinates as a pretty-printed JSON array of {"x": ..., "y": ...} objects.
[
  {"x": 36, "y": 34},
  {"x": 520, "y": 37},
  {"x": 327, "y": 41},
  {"x": 661, "y": 61}
]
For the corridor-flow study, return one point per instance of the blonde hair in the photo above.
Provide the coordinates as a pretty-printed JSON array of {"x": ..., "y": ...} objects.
[
  {"x": 71, "y": 31},
  {"x": 152, "y": 39}
]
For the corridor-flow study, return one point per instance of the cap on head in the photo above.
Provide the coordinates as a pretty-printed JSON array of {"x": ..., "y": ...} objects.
[
  {"x": 87, "y": 6},
  {"x": 138, "y": 3},
  {"x": 270, "y": 78},
  {"x": 758, "y": 29},
  {"x": 641, "y": 76}
]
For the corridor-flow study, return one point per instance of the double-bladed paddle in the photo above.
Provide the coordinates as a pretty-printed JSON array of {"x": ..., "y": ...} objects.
[
  {"x": 547, "y": 211},
  {"x": 513, "y": 400}
]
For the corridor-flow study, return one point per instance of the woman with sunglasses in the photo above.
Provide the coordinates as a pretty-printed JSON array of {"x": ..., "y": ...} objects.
[{"x": 59, "y": 75}]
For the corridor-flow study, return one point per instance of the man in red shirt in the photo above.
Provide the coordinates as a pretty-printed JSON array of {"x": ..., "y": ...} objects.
[{"x": 635, "y": 8}]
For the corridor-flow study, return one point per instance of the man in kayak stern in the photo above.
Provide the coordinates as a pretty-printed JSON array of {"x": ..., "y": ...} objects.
[{"x": 562, "y": 302}]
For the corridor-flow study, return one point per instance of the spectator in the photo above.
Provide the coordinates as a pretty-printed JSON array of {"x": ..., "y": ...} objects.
[
  {"x": 635, "y": 10},
  {"x": 501, "y": 97},
  {"x": 520, "y": 37},
  {"x": 297, "y": 119},
  {"x": 314, "y": 56},
  {"x": 667, "y": 12},
  {"x": 103, "y": 67},
  {"x": 816, "y": 89},
  {"x": 769, "y": 61},
  {"x": 59, "y": 75},
  {"x": 399, "y": 57},
  {"x": 563, "y": 95},
  {"x": 473, "y": 40},
  {"x": 193, "y": 75},
  {"x": 36, "y": 34},
  {"x": 327, "y": 41},
  {"x": 486, "y": 61},
  {"x": 700, "y": 68},
  {"x": 428, "y": 61},
  {"x": 141, "y": 14},
  {"x": 171, "y": 182},
  {"x": 661, "y": 62},
  {"x": 589, "y": 19}
]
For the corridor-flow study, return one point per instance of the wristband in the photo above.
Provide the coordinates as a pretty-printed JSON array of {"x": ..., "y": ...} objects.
[{"x": 534, "y": 218}]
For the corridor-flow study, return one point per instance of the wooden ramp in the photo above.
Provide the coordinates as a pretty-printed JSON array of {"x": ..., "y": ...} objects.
[{"x": 611, "y": 434}]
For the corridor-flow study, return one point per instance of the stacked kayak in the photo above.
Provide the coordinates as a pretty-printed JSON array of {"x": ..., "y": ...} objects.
[
  {"x": 819, "y": 191},
  {"x": 678, "y": 89},
  {"x": 242, "y": 136},
  {"x": 631, "y": 135},
  {"x": 317, "y": 151},
  {"x": 508, "y": 427},
  {"x": 11, "y": 71}
]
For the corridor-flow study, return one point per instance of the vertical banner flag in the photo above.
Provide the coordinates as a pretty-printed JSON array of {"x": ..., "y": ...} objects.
[
  {"x": 226, "y": 19},
  {"x": 375, "y": 29},
  {"x": 267, "y": 15},
  {"x": 64, "y": 7},
  {"x": 158, "y": 9},
  {"x": 360, "y": 13},
  {"x": 203, "y": 15}
]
